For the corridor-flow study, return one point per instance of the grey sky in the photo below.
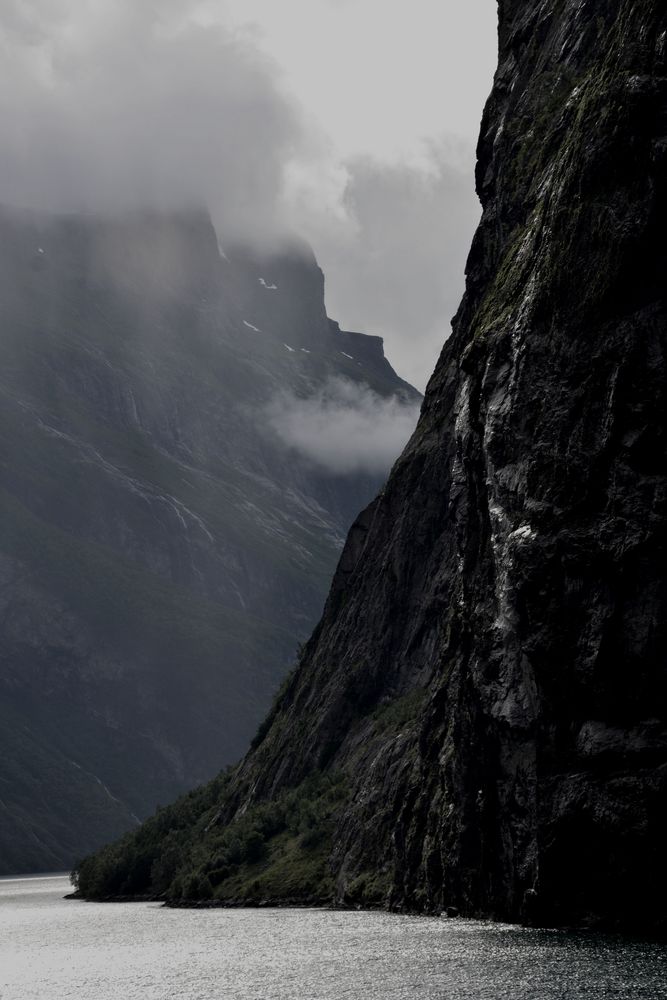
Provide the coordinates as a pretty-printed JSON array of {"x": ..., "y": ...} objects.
[{"x": 351, "y": 122}]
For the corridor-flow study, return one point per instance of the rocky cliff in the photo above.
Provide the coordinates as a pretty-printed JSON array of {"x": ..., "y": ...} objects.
[
  {"x": 162, "y": 550},
  {"x": 479, "y": 719}
]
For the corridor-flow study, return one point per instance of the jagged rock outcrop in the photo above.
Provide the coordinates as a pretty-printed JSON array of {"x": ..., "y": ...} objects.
[
  {"x": 162, "y": 551},
  {"x": 488, "y": 680}
]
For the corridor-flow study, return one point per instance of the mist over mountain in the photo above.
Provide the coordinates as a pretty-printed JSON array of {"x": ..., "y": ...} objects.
[
  {"x": 117, "y": 106},
  {"x": 162, "y": 549}
]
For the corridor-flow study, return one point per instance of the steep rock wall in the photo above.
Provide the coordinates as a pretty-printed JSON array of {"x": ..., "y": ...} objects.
[
  {"x": 489, "y": 673},
  {"x": 513, "y": 568}
]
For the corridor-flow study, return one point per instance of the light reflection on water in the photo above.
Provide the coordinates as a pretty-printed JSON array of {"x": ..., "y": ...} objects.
[{"x": 51, "y": 949}]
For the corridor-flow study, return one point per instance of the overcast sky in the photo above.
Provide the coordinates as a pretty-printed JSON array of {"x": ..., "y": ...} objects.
[{"x": 350, "y": 122}]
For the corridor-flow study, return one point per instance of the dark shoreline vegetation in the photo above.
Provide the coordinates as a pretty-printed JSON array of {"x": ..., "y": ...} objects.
[
  {"x": 185, "y": 855},
  {"x": 479, "y": 721},
  {"x": 182, "y": 855},
  {"x": 188, "y": 854}
]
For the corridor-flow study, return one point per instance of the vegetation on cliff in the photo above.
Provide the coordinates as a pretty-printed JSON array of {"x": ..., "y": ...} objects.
[{"x": 183, "y": 854}]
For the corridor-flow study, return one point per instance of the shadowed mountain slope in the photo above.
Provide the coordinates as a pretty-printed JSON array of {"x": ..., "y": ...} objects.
[{"x": 162, "y": 550}]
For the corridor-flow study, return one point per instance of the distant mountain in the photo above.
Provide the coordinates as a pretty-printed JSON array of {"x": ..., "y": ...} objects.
[{"x": 162, "y": 551}]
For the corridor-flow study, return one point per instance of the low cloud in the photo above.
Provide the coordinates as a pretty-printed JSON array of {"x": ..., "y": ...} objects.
[{"x": 344, "y": 428}]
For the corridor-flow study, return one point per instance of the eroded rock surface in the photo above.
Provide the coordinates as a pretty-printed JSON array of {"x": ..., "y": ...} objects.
[{"x": 489, "y": 673}]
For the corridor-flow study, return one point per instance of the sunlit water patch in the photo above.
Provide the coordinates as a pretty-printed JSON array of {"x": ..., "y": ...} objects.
[{"x": 52, "y": 949}]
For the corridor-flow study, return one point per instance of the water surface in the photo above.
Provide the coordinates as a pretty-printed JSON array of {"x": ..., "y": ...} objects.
[{"x": 52, "y": 949}]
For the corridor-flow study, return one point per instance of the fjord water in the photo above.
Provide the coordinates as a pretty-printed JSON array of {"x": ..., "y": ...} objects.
[{"x": 53, "y": 949}]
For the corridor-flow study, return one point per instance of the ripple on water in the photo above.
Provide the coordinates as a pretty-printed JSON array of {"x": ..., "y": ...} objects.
[{"x": 51, "y": 949}]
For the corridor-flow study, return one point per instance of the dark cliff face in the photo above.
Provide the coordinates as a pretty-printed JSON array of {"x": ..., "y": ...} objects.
[
  {"x": 161, "y": 552},
  {"x": 488, "y": 679}
]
